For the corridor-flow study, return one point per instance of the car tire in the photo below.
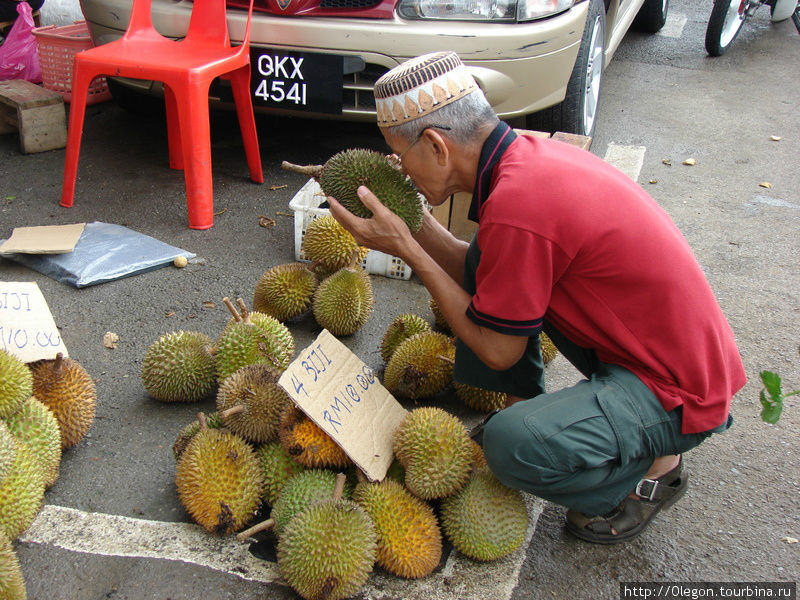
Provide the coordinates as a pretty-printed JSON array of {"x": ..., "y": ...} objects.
[
  {"x": 652, "y": 15},
  {"x": 133, "y": 101},
  {"x": 578, "y": 112},
  {"x": 724, "y": 25}
]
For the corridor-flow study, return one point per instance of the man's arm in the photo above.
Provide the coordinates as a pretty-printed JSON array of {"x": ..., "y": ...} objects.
[
  {"x": 387, "y": 232},
  {"x": 441, "y": 245}
]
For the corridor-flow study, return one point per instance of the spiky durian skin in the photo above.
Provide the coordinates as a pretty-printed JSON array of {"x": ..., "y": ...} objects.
[
  {"x": 278, "y": 467},
  {"x": 285, "y": 291},
  {"x": 307, "y": 442},
  {"x": 434, "y": 448},
  {"x": 12, "y": 584},
  {"x": 549, "y": 350},
  {"x": 327, "y": 551},
  {"x": 180, "y": 367},
  {"x": 400, "y": 329},
  {"x": 480, "y": 399},
  {"x": 219, "y": 481},
  {"x": 345, "y": 171},
  {"x": 36, "y": 426},
  {"x": 21, "y": 493},
  {"x": 438, "y": 317},
  {"x": 343, "y": 302},
  {"x": 16, "y": 384},
  {"x": 65, "y": 387},
  {"x": 192, "y": 429},
  {"x": 478, "y": 456},
  {"x": 421, "y": 366},
  {"x": 263, "y": 340},
  {"x": 328, "y": 243},
  {"x": 301, "y": 491},
  {"x": 409, "y": 539},
  {"x": 8, "y": 450},
  {"x": 485, "y": 520},
  {"x": 255, "y": 387}
]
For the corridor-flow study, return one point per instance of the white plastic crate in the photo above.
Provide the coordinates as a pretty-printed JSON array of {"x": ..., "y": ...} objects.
[{"x": 305, "y": 205}]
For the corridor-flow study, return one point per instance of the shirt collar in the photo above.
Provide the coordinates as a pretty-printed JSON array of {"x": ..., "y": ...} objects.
[{"x": 493, "y": 148}]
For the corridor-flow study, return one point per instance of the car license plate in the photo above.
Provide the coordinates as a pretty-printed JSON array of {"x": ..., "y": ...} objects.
[{"x": 297, "y": 80}]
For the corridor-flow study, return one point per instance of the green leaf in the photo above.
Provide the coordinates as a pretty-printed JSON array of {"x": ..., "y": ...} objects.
[
  {"x": 772, "y": 406},
  {"x": 772, "y": 381},
  {"x": 772, "y": 410}
]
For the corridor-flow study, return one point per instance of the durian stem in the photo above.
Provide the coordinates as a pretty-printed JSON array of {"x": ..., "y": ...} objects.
[
  {"x": 236, "y": 316},
  {"x": 233, "y": 410},
  {"x": 309, "y": 170},
  {"x": 446, "y": 359},
  {"x": 201, "y": 417},
  {"x": 243, "y": 308},
  {"x": 360, "y": 476},
  {"x": 338, "y": 489},
  {"x": 58, "y": 364},
  {"x": 263, "y": 526}
]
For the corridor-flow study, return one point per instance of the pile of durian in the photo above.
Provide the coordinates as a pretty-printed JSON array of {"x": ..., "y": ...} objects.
[
  {"x": 45, "y": 407},
  {"x": 259, "y": 455}
]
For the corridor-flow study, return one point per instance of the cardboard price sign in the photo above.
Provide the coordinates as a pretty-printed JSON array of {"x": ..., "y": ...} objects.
[
  {"x": 27, "y": 329},
  {"x": 342, "y": 395}
]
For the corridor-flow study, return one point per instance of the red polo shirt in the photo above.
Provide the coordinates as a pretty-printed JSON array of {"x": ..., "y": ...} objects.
[{"x": 565, "y": 236}]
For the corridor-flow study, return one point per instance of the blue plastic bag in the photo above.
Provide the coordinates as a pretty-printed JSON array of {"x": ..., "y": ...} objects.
[{"x": 19, "y": 55}]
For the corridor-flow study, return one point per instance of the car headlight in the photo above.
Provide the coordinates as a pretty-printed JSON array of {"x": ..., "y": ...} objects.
[{"x": 482, "y": 10}]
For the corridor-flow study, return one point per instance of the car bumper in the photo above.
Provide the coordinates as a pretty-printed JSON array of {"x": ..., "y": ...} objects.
[{"x": 522, "y": 67}]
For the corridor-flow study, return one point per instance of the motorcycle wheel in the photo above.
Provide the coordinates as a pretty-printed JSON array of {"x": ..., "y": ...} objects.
[
  {"x": 724, "y": 25},
  {"x": 796, "y": 17}
]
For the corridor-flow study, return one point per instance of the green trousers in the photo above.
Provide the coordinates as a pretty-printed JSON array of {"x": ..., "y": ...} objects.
[{"x": 584, "y": 447}]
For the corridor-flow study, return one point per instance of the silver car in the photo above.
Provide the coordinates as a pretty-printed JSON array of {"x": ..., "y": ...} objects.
[{"x": 540, "y": 62}]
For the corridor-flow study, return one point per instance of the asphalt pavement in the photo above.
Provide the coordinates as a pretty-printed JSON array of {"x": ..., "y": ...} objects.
[{"x": 664, "y": 101}]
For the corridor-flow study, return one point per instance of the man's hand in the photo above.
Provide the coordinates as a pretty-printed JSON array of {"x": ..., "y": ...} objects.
[{"x": 384, "y": 231}]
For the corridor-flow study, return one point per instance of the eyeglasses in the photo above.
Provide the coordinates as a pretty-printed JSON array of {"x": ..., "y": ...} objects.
[{"x": 419, "y": 137}]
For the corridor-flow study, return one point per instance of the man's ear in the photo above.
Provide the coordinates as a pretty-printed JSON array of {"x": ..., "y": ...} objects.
[{"x": 439, "y": 146}]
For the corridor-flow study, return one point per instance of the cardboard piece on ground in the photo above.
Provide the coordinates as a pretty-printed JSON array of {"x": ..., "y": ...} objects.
[
  {"x": 343, "y": 396},
  {"x": 27, "y": 329},
  {"x": 46, "y": 239}
]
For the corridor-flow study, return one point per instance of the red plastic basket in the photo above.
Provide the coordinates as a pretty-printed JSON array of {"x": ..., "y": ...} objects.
[{"x": 57, "y": 47}]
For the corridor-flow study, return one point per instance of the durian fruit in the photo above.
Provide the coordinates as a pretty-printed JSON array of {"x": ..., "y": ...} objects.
[
  {"x": 255, "y": 389},
  {"x": 251, "y": 338},
  {"x": 421, "y": 366},
  {"x": 219, "y": 480},
  {"x": 12, "y": 584},
  {"x": 16, "y": 383},
  {"x": 327, "y": 551},
  {"x": 400, "y": 329},
  {"x": 485, "y": 520},
  {"x": 8, "y": 450},
  {"x": 549, "y": 350},
  {"x": 36, "y": 426},
  {"x": 345, "y": 171},
  {"x": 438, "y": 317},
  {"x": 307, "y": 442},
  {"x": 343, "y": 302},
  {"x": 434, "y": 448},
  {"x": 478, "y": 456},
  {"x": 409, "y": 539},
  {"x": 285, "y": 291},
  {"x": 180, "y": 367},
  {"x": 65, "y": 387},
  {"x": 21, "y": 493},
  {"x": 330, "y": 245},
  {"x": 278, "y": 467},
  {"x": 480, "y": 399},
  {"x": 212, "y": 421},
  {"x": 301, "y": 491}
]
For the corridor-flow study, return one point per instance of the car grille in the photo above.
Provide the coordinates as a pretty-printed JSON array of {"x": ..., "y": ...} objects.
[
  {"x": 356, "y": 4},
  {"x": 357, "y": 94}
]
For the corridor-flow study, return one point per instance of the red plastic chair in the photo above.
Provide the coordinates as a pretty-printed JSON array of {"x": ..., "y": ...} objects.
[{"x": 187, "y": 68}]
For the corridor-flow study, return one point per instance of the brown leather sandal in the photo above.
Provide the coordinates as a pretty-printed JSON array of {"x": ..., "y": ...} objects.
[{"x": 630, "y": 518}]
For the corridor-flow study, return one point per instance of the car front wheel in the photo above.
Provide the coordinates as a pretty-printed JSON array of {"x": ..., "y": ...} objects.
[
  {"x": 578, "y": 112},
  {"x": 652, "y": 15}
]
